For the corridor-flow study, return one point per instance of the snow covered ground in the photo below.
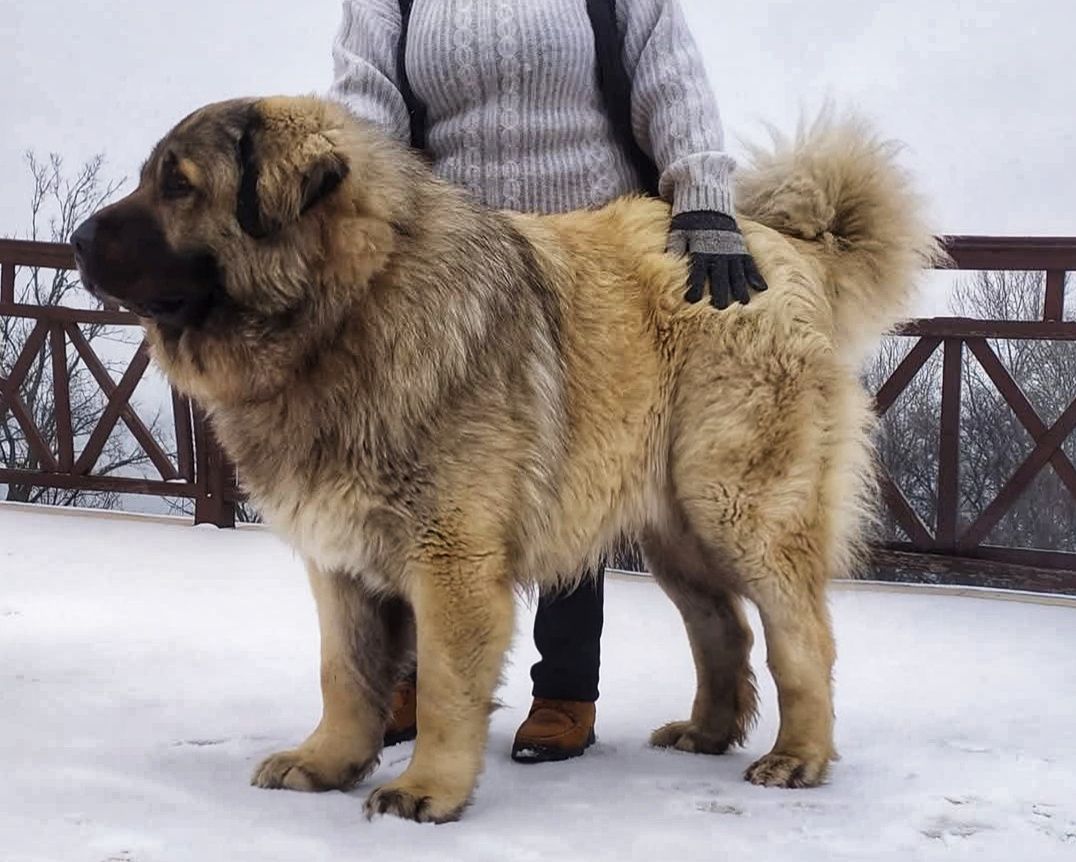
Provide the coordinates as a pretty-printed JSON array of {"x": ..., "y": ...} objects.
[{"x": 145, "y": 667}]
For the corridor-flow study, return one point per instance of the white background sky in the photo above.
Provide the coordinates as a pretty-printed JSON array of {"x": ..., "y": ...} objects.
[{"x": 982, "y": 91}]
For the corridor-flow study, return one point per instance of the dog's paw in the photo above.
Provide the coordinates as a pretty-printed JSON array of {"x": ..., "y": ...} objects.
[
  {"x": 415, "y": 801},
  {"x": 299, "y": 769},
  {"x": 787, "y": 770},
  {"x": 686, "y": 736}
]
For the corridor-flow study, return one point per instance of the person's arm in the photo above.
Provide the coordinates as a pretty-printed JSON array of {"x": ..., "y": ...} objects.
[
  {"x": 675, "y": 119},
  {"x": 364, "y": 65}
]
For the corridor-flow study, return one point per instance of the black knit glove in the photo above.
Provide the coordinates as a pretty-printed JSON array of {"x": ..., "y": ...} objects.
[{"x": 718, "y": 254}]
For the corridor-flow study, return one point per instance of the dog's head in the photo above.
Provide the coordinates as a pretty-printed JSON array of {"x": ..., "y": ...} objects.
[{"x": 241, "y": 232}]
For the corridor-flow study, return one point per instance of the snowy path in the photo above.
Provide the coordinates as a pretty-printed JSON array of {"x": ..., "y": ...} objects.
[{"x": 145, "y": 667}]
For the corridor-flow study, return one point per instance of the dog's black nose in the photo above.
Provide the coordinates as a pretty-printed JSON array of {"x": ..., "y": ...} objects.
[{"x": 83, "y": 236}]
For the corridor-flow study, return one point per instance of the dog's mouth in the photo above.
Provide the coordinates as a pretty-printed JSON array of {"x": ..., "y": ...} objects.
[
  {"x": 165, "y": 308},
  {"x": 172, "y": 311},
  {"x": 92, "y": 288},
  {"x": 95, "y": 290},
  {"x": 178, "y": 312}
]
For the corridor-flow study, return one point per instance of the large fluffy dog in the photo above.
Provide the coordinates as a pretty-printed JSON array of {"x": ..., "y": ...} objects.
[{"x": 436, "y": 404}]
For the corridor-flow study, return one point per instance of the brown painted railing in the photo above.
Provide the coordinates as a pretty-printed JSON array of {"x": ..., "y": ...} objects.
[
  {"x": 198, "y": 471},
  {"x": 957, "y": 551}
]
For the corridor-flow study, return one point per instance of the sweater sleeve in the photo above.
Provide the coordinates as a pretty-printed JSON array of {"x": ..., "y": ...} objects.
[
  {"x": 674, "y": 111},
  {"x": 364, "y": 65}
]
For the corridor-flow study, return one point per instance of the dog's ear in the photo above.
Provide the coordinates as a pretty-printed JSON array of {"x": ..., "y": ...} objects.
[
  {"x": 321, "y": 179},
  {"x": 248, "y": 208},
  {"x": 284, "y": 170}
]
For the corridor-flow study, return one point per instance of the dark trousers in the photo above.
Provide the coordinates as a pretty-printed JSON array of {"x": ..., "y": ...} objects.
[{"x": 567, "y": 632}]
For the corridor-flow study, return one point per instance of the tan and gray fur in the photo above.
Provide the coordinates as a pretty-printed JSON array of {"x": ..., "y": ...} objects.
[{"x": 436, "y": 405}]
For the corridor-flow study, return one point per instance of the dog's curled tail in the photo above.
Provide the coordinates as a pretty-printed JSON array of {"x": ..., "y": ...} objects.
[{"x": 838, "y": 185}]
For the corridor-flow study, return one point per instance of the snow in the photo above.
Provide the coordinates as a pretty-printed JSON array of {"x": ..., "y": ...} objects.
[{"x": 147, "y": 666}]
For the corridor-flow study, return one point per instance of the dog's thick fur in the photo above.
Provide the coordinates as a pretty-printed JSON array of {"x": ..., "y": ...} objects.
[{"x": 436, "y": 404}]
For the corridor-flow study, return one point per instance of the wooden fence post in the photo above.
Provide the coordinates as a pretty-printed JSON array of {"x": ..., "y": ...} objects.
[{"x": 215, "y": 477}]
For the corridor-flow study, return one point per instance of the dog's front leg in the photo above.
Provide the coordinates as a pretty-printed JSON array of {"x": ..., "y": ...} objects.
[
  {"x": 364, "y": 640},
  {"x": 464, "y": 603}
]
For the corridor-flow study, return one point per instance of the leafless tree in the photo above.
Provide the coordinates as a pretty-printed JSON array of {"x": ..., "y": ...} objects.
[{"x": 60, "y": 200}]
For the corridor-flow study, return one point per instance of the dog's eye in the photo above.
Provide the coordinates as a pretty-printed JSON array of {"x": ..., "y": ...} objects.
[
  {"x": 175, "y": 185},
  {"x": 173, "y": 182}
]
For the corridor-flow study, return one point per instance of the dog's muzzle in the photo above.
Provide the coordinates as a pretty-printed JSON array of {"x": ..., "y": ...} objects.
[{"x": 122, "y": 256}]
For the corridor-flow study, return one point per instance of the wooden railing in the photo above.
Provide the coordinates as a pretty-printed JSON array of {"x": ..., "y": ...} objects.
[
  {"x": 197, "y": 469},
  {"x": 952, "y": 549}
]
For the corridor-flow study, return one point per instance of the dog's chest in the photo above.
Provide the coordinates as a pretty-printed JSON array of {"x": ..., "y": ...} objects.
[
  {"x": 329, "y": 506},
  {"x": 336, "y": 526}
]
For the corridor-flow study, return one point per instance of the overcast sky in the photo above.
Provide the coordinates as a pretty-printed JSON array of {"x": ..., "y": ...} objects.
[{"x": 982, "y": 91}]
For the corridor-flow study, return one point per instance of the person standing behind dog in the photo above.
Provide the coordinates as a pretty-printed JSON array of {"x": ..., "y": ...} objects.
[{"x": 548, "y": 106}]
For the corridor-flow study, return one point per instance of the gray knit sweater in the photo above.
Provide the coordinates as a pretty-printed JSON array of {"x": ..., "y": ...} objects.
[{"x": 515, "y": 112}]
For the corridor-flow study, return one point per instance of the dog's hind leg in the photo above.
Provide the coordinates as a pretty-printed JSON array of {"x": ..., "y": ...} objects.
[
  {"x": 779, "y": 559},
  {"x": 464, "y": 606},
  {"x": 720, "y": 638},
  {"x": 783, "y": 570},
  {"x": 364, "y": 640},
  {"x": 788, "y": 586},
  {"x": 760, "y": 500}
]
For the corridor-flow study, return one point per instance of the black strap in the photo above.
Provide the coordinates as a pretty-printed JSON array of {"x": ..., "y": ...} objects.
[
  {"x": 416, "y": 108},
  {"x": 613, "y": 81},
  {"x": 615, "y": 85}
]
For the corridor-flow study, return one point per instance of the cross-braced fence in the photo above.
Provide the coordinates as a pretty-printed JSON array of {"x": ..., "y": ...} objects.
[
  {"x": 191, "y": 465},
  {"x": 956, "y": 545}
]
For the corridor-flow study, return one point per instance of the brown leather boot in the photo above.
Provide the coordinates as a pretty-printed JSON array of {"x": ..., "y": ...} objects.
[
  {"x": 402, "y": 722},
  {"x": 554, "y": 730}
]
